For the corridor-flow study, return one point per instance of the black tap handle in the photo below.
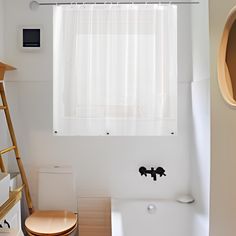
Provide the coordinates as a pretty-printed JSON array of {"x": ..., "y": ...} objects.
[
  {"x": 160, "y": 171},
  {"x": 143, "y": 171}
]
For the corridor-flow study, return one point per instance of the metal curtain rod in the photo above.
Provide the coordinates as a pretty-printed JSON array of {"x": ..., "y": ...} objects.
[{"x": 111, "y": 2}]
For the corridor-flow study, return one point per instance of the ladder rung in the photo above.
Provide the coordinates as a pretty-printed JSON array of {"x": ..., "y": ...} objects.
[
  {"x": 7, "y": 150},
  {"x": 3, "y": 107}
]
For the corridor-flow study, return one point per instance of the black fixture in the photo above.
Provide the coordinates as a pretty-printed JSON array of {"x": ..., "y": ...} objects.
[
  {"x": 7, "y": 224},
  {"x": 31, "y": 38},
  {"x": 153, "y": 172}
]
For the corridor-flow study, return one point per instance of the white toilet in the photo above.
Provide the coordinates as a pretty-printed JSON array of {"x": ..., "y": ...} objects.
[{"x": 57, "y": 204}]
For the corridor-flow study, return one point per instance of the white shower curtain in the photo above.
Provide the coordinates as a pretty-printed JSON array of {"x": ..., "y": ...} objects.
[{"x": 115, "y": 70}]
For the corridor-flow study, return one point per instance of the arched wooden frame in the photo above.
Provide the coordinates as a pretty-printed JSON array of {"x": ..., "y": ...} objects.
[{"x": 227, "y": 60}]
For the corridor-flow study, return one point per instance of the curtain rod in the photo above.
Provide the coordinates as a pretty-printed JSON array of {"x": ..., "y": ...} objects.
[{"x": 35, "y": 4}]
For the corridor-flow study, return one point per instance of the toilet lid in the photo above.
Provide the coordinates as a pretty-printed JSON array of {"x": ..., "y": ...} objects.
[{"x": 50, "y": 222}]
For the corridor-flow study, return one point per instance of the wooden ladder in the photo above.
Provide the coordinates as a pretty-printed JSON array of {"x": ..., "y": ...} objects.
[{"x": 4, "y": 107}]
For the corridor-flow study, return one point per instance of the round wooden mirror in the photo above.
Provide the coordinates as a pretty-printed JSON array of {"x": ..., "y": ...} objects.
[{"x": 227, "y": 60}]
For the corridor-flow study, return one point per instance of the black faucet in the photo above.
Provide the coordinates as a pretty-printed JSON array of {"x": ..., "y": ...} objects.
[{"x": 159, "y": 171}]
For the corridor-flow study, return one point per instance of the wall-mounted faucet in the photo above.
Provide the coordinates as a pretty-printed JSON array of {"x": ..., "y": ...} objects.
[{"x": 153, "y": 172}]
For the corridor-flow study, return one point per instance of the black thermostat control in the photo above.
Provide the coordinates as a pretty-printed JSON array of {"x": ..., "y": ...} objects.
[{"x": 30, "y": 37}]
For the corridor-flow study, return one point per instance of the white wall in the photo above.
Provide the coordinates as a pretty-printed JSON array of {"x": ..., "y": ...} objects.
[
  {"x": 3, "y": 138},
  {"x": 103, "y": 164},
  {"x": 2, "y": 29},
  {"x": 223, "y": 135},
  {"x": 200, "y": 41},
  {"x": 201, "y": 117}
]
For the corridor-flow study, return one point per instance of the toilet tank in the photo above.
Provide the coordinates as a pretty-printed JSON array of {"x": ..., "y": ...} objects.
[{"x": 56, "y": 189}]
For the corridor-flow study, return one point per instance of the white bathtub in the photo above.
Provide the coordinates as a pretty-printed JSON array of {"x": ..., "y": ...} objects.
[{"x": 132, "y": 218}]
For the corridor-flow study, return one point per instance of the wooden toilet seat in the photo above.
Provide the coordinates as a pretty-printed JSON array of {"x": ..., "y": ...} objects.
[{"x": 51, "y": 223}]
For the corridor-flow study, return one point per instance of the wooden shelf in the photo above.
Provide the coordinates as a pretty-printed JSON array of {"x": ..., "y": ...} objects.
[
  {"x": 3, "y": 68},
  {"x": 15, "y": 196}
]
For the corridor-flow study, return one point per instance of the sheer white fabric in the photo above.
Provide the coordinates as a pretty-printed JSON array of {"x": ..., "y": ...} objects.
[{"x": 115, "y": 70}]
